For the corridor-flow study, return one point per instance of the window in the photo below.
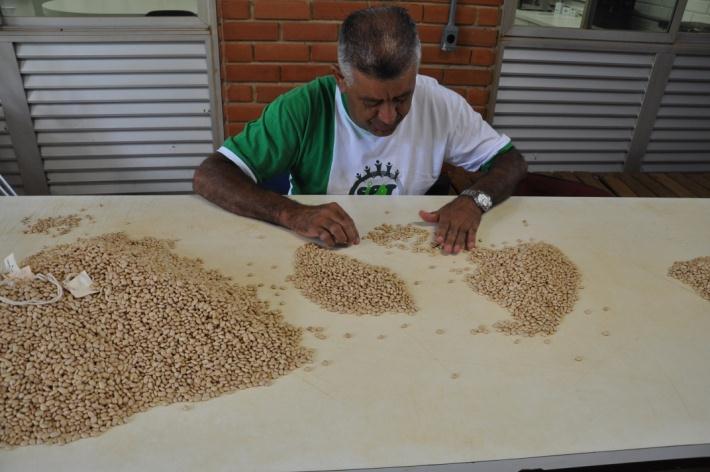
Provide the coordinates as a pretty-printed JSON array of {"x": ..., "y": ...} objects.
[
  {"x": 696, "y": 17},
  {"x": 635, "y": 15},
  {"x": 84, "y": 8}
]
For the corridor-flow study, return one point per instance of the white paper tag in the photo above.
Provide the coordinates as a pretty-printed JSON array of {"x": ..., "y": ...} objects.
[
  {"x": 13, "y": 271},
  {"x": 9, "y": 265},
  {"x": 24, "y": 273},
  {"x": 81, "y": 285}
]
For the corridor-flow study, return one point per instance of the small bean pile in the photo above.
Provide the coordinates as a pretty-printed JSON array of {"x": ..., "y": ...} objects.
[
  {"x": 397, "y": 235},
  {"x": 695, "y": 272},
  {"x": 342, "y": 284},
  {"x": 52, "y": 225},
  {"x": 162, "y": 329},
  {"x": 536, "y": 282}
]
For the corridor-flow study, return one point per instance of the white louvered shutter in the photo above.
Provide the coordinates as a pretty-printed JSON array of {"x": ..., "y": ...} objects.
[
  {"x": 680, "y": 140},
  {"x": 119, "y": 117},
  {"x": 571, "y": 110},
  {"x": 8, "y": 162}
]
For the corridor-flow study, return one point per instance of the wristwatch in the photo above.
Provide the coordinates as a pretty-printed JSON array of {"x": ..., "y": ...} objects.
[{"x": 482, "y": 200}]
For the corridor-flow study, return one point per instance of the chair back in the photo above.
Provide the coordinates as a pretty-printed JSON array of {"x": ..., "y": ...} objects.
[{"x": 5, "y": 188}]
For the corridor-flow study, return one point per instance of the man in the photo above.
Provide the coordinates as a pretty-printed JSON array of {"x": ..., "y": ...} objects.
[{"x": 374, "y": 127}]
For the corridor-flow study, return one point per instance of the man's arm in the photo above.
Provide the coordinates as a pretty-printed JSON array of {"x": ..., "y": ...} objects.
[
  {"x": 459, "y": 219},
  {"x": 223, "y": 183}
]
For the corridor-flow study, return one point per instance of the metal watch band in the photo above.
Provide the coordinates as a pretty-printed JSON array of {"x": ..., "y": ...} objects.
[{"x": 482, "y": 200}]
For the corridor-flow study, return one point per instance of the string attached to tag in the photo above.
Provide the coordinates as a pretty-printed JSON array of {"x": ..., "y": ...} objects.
[
  {"x": 79, "y": 286},
  {"x": 45, "y": 278}
]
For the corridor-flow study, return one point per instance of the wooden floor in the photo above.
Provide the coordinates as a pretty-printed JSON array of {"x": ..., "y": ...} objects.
[{"x": 673, "y": 185}]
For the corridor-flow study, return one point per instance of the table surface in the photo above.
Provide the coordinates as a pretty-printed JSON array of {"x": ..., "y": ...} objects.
[{"x": 392, "y": 402}]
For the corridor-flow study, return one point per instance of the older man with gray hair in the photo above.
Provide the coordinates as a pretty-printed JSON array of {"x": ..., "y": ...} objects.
[{"x": 375, "y": 127}]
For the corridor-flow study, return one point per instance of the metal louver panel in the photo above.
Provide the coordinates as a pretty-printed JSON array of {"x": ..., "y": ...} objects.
[
  {"x": 571, "y": 110},
  {"x": 680, "y": 140},
  {"x": 8, "y": 162},
  {"x": 119, "y": 117}
]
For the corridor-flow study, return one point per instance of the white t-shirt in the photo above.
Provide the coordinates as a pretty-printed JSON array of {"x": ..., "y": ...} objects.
[{"x": 309, "y": 133}]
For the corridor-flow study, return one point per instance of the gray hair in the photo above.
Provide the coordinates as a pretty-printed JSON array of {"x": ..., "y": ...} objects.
[{"x": 381, "y": 42}]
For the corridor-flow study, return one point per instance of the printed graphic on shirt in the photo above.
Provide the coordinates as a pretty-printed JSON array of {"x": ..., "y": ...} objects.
[{"x": 376, "y": 182}]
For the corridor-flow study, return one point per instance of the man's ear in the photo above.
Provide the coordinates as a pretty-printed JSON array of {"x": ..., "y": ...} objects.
[{"x": 339, "y": 78}]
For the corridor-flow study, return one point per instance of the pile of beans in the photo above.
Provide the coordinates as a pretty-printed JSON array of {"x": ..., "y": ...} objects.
[
  {"x": 406, "y": 237},
  {"x": 162, "y": 329},
  {"x": 695, "y": 272},
  {"x": 536, "y": 282},
  {"x": 342, "y": 284},
  {"x": 52, "y": 225}
]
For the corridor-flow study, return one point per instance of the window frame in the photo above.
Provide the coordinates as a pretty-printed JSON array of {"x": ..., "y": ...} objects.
[
  {"x": 207, "y": 10},
  {"x": 509, "y": 30}
]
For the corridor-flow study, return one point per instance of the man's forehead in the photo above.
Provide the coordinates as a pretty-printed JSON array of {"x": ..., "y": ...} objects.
[{"x": 384, "y": 88}]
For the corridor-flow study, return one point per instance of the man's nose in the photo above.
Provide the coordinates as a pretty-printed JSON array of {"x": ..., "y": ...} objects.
[{"x": 387, "y": 113}]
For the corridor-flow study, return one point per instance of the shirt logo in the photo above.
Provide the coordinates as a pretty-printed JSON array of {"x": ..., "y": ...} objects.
[{"x": 377, "y": 182}]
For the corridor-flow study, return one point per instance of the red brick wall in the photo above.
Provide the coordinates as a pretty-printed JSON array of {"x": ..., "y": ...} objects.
[{"x": 270, "y": 46}]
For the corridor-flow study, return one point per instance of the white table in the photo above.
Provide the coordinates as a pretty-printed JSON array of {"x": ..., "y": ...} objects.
[{"x": 643, "y": 391}]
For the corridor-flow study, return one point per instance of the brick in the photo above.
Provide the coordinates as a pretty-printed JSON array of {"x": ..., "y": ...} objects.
[
  {"x": 303, "y": 73},
  {"x": 335, "y": 10},
  {"x": 467, "y": 77},
  {"x": 477, "y": 97},
  {"x": 324, "y": 52},
  {"x": 258, "y": 31},
  {"x": 440, "y": 14},
  {"x": 310, "y": 31},
  {"x": 434, "y": 55},
  {"x": 488, "y": 16},
  {"x": 463, "y": 91},
  {"x": 244, "y": 111},
  {"x": 430, "y": 34},
  {"x": 237, "y": 52},
  {"x": 281, "y": 10},
  {"x": 494, "y": 3},
  {"x": 483, "y": 57},
  {"x": 233, "y": 129},
  {"x": 438, "y": 74},
  {"x": 470, "y": 2},
  {"x": 239, "y": 93},
  {"x": 268, "y": 93},
  {"x": 252, "y": 73},
  {"x": 478, "y": 37},
  {"x": 235, "y": 9},
  {"x": 281, "y": 52},
  {"x": 415, "y": 10}
]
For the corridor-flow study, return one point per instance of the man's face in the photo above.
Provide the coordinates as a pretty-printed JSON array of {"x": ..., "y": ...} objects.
[{"x": 378, "y": 105}]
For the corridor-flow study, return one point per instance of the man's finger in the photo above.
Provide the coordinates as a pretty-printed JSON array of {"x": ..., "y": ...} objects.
[
  {"x": 429, "y": 217},
  {"x": 335, "y": 229},
  {"x": 348, "y": 226},
  {"x": 442, "y": 229},
  {"x": 326, "y": 237},
  {"x": 471, "y": 238},
  {"x": 460, "y": 240},
  {"x": 451, "y": 236}
]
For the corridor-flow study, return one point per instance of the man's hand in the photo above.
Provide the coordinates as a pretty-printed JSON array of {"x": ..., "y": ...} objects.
[
  {"x": 458, "y": 222},
  {"x": 328, "y": 222}
]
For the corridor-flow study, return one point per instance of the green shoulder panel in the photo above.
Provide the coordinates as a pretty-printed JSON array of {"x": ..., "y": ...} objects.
[{"x": 294, "y": 134}]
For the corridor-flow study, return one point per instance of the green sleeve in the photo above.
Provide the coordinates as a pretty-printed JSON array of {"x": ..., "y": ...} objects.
[
  {"x": 294, "y": 134},
  {"x": 270, "y": 145}
]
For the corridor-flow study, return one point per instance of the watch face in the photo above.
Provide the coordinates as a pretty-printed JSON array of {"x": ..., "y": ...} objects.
[{"x": 484, "y": 201}]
